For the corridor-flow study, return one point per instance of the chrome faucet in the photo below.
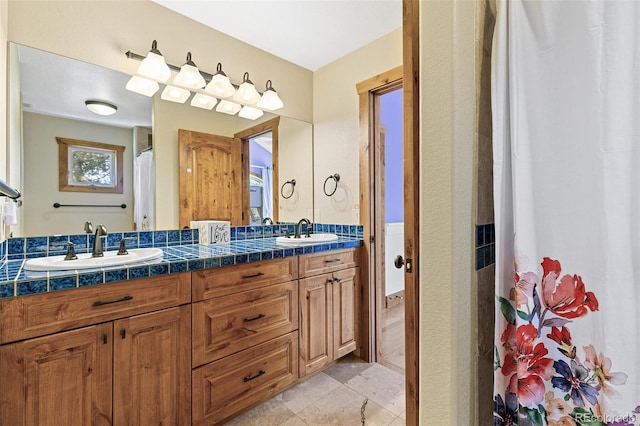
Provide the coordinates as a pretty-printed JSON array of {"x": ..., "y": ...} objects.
[
  {"x": 267, "y": 220},
  {"x": 299, "y": 226},
  {"x": 97, "y": 251}
]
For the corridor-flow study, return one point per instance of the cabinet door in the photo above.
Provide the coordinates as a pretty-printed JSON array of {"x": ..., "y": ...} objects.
[
  {"x": 152, "y": 371},
  {"x": 343, "y": 288},
  {"x": 61, "y": 379},
  {"x": 315, "y": 324}
]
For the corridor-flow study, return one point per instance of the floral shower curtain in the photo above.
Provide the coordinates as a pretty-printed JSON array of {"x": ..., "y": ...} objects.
[{"x": 566, "y": 120}]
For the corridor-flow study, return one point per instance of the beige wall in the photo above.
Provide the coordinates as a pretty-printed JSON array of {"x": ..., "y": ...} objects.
[
  {"x": 14, "y": 131},
  {"x": 447, "y": 391},
  {"x": 295, "y": 161},
  {"x": 336, "y": 124},
  {"x": 100, "y": 32},
  {"x": 41, "y": 178}
]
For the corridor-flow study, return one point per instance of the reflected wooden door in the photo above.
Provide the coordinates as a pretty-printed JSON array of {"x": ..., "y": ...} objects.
[{"x": 211, "y": 176}]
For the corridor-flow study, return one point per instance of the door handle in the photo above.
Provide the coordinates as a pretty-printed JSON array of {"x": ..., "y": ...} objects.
[{"x": 398, "y": 262}]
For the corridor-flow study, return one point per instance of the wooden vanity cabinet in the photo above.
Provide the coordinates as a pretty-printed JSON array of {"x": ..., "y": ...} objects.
[
  {"x": 327, "y": 309},
  {"x": 128, "y": 370},
  {"x": 245, "y": 340}
]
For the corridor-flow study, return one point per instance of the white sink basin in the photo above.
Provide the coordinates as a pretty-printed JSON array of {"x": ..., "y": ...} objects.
[
  {"x": 304, "y": 240},
  {"x": 85, "y": 261}
]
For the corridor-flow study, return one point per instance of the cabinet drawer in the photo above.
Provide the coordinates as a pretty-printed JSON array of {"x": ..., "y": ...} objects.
[
  {"x": 316, "y": 264},
  {"x": 247, "y": 276},
  {"x": 228, "y": 386},
  {"x": 229, "y": 324},
  {"x": 30, "y": 316}
]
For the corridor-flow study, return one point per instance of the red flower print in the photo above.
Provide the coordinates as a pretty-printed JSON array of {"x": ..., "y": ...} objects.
[
  {"x": 566, "y": 298},
  {"x": 528, "y": 366},
  {"x": 563, "y": 338}
]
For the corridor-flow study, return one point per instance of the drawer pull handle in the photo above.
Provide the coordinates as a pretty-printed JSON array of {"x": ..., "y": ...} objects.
[
  {"x": 254, "y": 318},
  {"x": 249, "y": 378},
  {"x": 337, "y": 280},
  {"x": 331, "y": 260},
  {"x": 109, "y": 302},
  {"x": 258, "y": 274}
]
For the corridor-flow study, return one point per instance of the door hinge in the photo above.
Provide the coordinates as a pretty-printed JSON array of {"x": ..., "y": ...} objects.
[
  {"x": 372, "y": 239},
  {"x": 242, "y": 215}
]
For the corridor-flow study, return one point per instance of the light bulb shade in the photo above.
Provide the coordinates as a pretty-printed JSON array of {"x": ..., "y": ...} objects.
[
  {"x": 250, "y": 112},
  {"x": 228, "y": 107},
  {"x": 189, "y": 76},
  {"x": 154, "y": 66},
  {"x": 142, "y": 86},
  {"x": 175, "y": 94},
  {"x": 247, "y": 93},
  {"x": 101, "y": 108},
  {"x": 220, "y": 85},
  {"x": 270, "y": 99},
  {"x": 203, "y": 101}
]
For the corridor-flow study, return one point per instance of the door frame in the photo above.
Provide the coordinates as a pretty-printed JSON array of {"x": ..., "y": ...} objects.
[{"x": 246, "y": 134}]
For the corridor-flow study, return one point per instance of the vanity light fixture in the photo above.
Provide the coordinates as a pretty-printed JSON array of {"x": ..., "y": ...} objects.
[
  {"x": 220, "y": 85},
  {"x": 270, "y": 99},
  {"x": 203, "y": 101},
  {"x": 210, "y": 90},
  {"x": 154, "y": 66},
  {"x": 100, "y": 107},
  {"x": 189, "y": 76},
  {"x": 228, "y": 107},
  {"x": 247, "y": 92},
  {"x": 250, "y": 112},
  {"x": 175, "y": 94},
  {"x": 142, "y": 85}
]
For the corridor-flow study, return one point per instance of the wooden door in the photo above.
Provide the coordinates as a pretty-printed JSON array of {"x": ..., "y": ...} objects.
[
  {"x": 152, "y": 369},
  {"x": 315, "y": 327},
  {"x": 211, "y": 178},
  {"x": 343, "y": 288},
  {"x": 61, "y": 379}
]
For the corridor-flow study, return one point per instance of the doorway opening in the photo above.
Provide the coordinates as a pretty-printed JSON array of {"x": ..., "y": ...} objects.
[
  {"x": 390, "y": 217},
  {"x": 260, "y": 178}
]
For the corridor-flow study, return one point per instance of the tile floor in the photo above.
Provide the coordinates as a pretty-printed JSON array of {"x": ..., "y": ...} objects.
[{"x": 335, "y": 397}]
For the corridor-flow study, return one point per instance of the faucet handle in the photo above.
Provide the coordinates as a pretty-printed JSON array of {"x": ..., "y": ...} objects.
[
  {"x": 286, "y": 233},
  {"x": 88, "y": 227},
  {"x": 123, "y": 245},
  {"x": 71, "y": 251}
]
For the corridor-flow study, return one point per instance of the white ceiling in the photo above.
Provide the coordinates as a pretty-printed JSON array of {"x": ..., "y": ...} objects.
[{"x": 309, "y": 33}]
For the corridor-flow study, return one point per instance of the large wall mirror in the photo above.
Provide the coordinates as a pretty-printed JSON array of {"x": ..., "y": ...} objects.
[{"x": 51, "y": 103}]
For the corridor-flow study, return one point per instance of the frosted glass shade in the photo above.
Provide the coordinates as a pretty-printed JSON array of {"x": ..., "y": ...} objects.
[
  {"x": 203, "y": 101},
  {"x": 270, "y": 100},
  {"x": 220, "y": 86},
  {"x": 101, "y": 108},
  {"x": 175, "y": 94},
  {"x": 247, "y": 94},
  {"x": 142, "y": 86},
  {"x": 189, "y": 76},
  {"x": 154, "y": 67},
  {"x": 228, "y": 107},
  {"x": 250, "y": 113}
]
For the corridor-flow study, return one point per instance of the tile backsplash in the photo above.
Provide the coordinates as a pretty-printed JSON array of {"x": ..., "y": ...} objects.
[
  {"x": 29, "y": 247},
  {"x": 485, "y": 245}
]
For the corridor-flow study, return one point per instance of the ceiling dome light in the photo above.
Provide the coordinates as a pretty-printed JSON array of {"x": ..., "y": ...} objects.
[
  {"x": 247, "y": 93},
  {"x": 175, "y": 94},
  {"x": 189, "y": 76},
  {"x": 203, "y": 101},
  {"x": 270, "y": 99},
  {"x": 101, "y": 108},
  {"x": 154, "y": 66},
  {"x": 220, "y": 85},
  {"x": 250, "y": 113},
  {"x": 142, "y": 86},
  {"x": 228, "y": 107}
]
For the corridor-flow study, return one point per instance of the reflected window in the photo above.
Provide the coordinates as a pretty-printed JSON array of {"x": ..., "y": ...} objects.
[{"x": 89, "y": 166}]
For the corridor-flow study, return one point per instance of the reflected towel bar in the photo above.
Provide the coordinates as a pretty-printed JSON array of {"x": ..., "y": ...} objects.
[{"x": 122, "y": 206}]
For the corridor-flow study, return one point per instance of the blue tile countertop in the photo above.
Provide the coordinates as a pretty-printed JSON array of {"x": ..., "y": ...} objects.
[{"x": 182, "y": 256}]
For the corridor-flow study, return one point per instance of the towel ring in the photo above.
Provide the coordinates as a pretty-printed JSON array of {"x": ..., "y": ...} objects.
[
  {"x": 291, "y": 182},
  {"x": 336, "y": 179}
]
